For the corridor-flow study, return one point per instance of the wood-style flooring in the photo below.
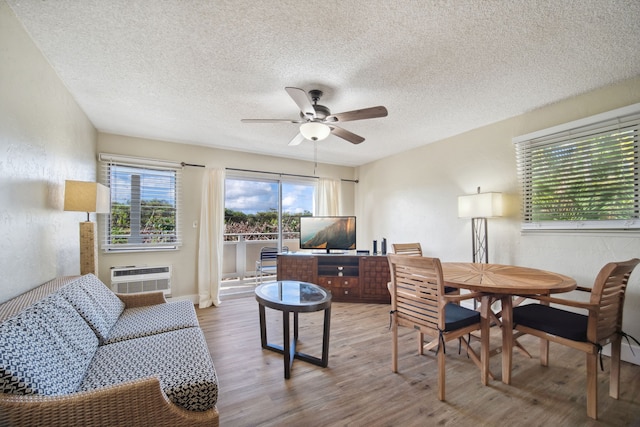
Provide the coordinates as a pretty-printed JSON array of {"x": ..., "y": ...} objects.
[{"x": 359, "y": 389}]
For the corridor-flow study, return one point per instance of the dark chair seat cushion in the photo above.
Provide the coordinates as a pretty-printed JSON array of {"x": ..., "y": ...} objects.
[
  {"x": 551, "y": 320},
  {"x": 456, "y": 317}
]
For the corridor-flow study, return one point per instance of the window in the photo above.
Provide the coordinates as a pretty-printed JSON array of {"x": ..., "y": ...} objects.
[
  {"x": 583, "y": 174},
  {"x": 253, "y": 206},
  {"x": 144, "y": 204}
]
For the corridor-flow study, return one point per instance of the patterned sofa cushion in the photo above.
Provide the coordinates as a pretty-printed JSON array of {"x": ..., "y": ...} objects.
[
  {"x": 22, "y": 301},
  {"x": 98, "y": 306},
  {"x": 45, "y": 349},
  {"x": 153, "y": 319},
  {"x": 179, "y": 358}
]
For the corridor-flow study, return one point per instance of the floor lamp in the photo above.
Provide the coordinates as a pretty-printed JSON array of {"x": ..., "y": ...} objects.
[
  {"x": 479, "y": 207},
  {"x": 87, "y": 197}
]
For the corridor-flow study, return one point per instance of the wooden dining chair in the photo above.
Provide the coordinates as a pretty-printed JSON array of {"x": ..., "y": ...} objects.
[
  {"x": 415, "y": 249},
  {"x": 418, "y": 301},
  {"x": 586, "y": 332},
  {"x": 409, "y": 249}
]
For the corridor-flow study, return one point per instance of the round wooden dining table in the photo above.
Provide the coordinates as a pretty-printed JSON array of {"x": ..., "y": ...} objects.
[{"x": 502, "y": 282}]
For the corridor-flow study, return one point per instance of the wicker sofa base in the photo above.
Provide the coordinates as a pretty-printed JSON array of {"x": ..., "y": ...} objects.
[{"x": 134, "y": 403}]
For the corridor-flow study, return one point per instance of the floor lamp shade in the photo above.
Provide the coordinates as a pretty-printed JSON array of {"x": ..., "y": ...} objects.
[
  {"x": 87, "y": 197},
  {"x": 479, "y": 207}
]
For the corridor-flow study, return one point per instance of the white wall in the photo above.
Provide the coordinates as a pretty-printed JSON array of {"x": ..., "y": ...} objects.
[
  {"x": 413, "y": 197},
  {"x": 44, "y": 139},
  {"x": 184, "y": 283}
]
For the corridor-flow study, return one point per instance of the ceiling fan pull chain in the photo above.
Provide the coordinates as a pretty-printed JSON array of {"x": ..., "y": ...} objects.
[{"x": 315, "y": 156}]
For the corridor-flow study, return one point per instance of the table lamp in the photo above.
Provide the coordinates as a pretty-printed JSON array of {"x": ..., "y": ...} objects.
[
  {"x": 479, "y": 207},
  {"x": 87, "y": 197}
]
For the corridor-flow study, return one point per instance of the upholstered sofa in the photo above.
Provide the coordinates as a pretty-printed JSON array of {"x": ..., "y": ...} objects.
[{"x": 73, "y": 353}]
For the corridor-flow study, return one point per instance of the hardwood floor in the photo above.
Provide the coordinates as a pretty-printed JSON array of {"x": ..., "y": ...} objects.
[{"x": 359, "y": 389}]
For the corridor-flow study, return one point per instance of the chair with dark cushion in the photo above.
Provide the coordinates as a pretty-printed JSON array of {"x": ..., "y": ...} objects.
[
  {"x": 415, "y": 249},
  {"x": 586, "y": 332},
  {"x": 418, "y": 301}
]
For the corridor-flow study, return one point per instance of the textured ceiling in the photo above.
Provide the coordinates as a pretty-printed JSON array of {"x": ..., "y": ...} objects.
[{"x": 189, "y": 70}]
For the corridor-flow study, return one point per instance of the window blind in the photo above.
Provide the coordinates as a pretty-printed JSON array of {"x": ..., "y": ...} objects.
[
  {"x": 145, "y": 204},
  {"x": 582, "y": 177}
]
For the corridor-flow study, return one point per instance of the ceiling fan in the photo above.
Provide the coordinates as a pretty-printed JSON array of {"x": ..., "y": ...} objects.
[{"x": 317, "y": 122}]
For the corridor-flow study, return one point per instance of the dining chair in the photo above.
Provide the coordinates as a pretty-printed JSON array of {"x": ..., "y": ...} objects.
[
  {"x": 409, "y": 249},
  {"x": 267, "y": 263},
  {"x": 586, "y": 332},
  {"x": 415, "y": 249},
  {"x": 418, "y": 301}
]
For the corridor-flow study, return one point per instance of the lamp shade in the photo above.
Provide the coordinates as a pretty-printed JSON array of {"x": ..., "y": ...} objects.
[
  {"x": 315, "y": 131},
  {"x": 481, "y": 205},
  {"x": 86, "y": 197}
]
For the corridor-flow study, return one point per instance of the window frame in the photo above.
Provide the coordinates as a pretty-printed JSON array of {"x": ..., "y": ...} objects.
[
  {"x": 574, "y": 131},
  {"x": 107, "y": 162}
]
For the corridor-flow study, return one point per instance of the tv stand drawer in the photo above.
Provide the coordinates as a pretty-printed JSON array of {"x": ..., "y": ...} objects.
[{"x": 341, "y": 286}]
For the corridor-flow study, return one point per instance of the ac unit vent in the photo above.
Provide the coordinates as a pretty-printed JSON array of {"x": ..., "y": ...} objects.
[{"x": 131, "y": 279}]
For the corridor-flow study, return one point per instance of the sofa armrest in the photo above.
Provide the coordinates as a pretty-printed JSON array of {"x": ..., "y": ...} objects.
[
  {"x": 134, "y": 403},
  {"x": 142, "y": 298}
]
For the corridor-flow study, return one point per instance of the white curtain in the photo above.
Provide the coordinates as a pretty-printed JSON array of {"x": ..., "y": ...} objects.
[
  {"x": 327, "y": 201},
  {"x": 211, "y": 239}
]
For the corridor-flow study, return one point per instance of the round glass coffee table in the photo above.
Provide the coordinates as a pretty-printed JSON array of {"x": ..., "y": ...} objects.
[{"x": 294, "y": 297}]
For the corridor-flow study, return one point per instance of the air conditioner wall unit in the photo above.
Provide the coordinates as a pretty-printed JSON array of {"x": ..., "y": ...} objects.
[{"x": 132, "y": 279}]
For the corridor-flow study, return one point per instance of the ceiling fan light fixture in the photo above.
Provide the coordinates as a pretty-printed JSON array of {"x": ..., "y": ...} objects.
[
  {"x": 317, "y": 121},
  {"x": 315, "y": 131}
]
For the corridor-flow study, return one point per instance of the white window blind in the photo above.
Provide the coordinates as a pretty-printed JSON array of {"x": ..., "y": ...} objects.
[
  {"x": 145, "y": 204},
  {"x": 585, "y": 176}
]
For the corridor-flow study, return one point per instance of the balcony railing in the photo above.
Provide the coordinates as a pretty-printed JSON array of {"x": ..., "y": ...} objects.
[{"x": 240, "y": 253}]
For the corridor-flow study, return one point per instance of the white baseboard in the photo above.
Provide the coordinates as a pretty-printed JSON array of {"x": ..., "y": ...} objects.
[
  {"x": 625, "y": 354},
  {"x": 195, "y": 299}
]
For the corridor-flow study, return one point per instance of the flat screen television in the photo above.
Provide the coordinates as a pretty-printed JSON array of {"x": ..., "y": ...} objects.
[{"x": 328, "y": 232}]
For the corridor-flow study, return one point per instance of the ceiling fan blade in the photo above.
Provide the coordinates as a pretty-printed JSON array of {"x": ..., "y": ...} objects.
[
  {"x": 345, "y": 134},
  {"x": 297, "y": 139},
  {"x": 270, "y": 121},
  {"x": 366, "y": 113},
  {"x": 301, "y": 99}
]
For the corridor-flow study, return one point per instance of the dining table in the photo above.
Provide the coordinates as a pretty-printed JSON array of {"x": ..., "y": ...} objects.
[{"x": 503, "y": 282}]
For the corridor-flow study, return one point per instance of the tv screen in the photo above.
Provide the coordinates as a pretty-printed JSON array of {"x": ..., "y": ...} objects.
[{"x": 328, "y": 232}]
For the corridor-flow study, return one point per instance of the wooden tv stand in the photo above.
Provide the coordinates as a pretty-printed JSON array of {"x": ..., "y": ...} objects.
[{"x": 350, "y": 278}]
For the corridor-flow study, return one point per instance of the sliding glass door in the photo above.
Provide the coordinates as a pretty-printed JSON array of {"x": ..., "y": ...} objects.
[{"x": 262, "y": 211}]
